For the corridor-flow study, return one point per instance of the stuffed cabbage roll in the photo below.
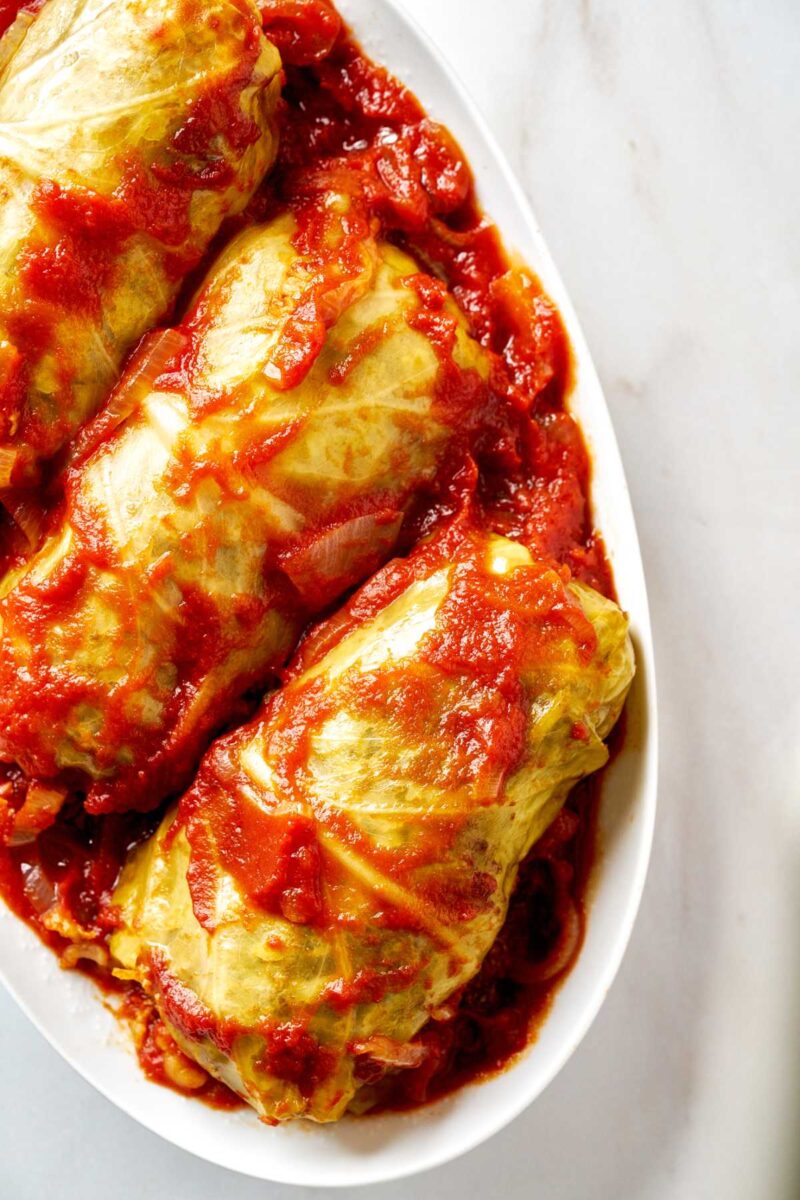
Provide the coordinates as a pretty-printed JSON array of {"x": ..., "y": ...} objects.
[
  {"x": 128, "y": 130},
  {"x": 343, "y": 863},
  {"x": 257, "y": 464}
]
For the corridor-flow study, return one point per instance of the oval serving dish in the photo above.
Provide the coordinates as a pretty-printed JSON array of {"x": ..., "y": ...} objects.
[{"x": 67, "y": 1008}]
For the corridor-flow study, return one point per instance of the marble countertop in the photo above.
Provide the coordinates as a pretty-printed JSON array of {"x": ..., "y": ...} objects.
[{"x": 659, "y": 144}]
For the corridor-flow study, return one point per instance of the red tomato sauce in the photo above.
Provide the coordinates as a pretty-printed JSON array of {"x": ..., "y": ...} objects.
[
  {"x": 350, "y": 127},
  {"x": 10, "y": 8}
]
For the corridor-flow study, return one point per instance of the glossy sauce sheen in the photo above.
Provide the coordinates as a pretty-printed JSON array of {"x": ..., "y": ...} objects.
[{"x": 349, "y": 127}]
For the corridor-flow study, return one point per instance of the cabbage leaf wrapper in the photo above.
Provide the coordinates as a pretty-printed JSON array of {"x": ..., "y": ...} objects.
[
  {"x": 262, "y": 467},
  {"x": 343, "y": 863},
  {"x": 129, "y": 129}
]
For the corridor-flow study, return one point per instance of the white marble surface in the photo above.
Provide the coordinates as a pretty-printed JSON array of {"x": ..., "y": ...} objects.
[{"x": 659, "y": 143}]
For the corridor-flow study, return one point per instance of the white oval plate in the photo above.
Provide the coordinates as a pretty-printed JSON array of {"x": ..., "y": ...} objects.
[{"x": 65, "y": 1006}]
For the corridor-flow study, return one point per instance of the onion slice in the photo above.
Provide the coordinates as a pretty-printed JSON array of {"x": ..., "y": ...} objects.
[
  {"x": 27, "y": 512},
  {"x": 9, "y": 458},
  {"x": 41, "y": 806},
  {"x": 334, "y": 560},
  {"x": 156, "y": 351},
  {"x": 39, "y": 890},
  {"x": 394, "y": 1055},
  {"x": 561, "y": 955}
]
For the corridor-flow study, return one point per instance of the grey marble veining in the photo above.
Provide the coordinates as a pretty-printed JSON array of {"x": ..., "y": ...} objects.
[{"x": 659, "y": 144}]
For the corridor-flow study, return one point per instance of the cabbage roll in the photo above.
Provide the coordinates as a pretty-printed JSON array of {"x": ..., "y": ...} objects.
[
  {"x": 344, "y": 862},
  {"x": 128, "y": 130},
  {"x": 261, "y": 471}
]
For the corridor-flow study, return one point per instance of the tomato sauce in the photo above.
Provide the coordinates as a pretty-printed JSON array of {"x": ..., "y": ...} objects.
[
  {"x": 9, "y": 10},
  {"x": 349, "y": 127}
]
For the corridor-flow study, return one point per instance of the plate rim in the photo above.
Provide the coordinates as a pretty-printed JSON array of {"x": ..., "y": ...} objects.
[{"x": 370, "y": 1171}]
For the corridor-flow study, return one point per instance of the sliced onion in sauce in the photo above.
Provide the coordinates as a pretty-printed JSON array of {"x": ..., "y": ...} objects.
[
  {"x": 8, "y": 461},
  {"x": 561, "y": 955},
  {"x": 41, "y": 806},
  {"x": 27, "y": 513},
  {"x": 84, "y": 952},
  {"x": 339, "y": 557},
  {"x": 398, "y": 1055},
  {"x": 156, "y": 351},
  {"x": 39, "y": 891}
]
